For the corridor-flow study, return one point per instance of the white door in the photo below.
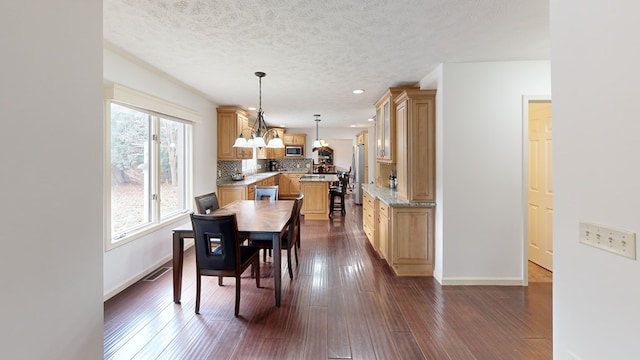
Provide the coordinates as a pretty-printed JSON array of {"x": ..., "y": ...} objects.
[{"x": 540, "y": 192}]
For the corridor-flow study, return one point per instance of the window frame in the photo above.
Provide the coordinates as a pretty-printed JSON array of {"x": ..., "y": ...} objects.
[{"x": 150, "y": 105}]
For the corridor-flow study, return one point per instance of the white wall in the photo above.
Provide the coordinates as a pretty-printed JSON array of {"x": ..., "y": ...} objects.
[
  {"x": 50, "y": 96},
  {"x": 595, "y": 80},
  {"x": 480, "y": 169},
  {"x": 130, "y": 262}
]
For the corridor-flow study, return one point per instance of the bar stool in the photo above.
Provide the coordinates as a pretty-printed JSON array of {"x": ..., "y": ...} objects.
[{"x": 339, "y": 193}]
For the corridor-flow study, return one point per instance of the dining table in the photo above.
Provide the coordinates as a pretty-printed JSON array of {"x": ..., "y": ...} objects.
[{"x": 257, "y": 219}]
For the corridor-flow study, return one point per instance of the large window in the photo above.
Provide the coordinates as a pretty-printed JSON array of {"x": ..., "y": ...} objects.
[{"x": 150, "y": 170}]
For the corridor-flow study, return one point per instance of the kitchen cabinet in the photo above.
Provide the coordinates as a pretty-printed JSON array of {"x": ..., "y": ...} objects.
[
  {"x": 230, "y": 193},
  {"x": 386, "y": 125},
  {"x": 316, "y": 200},
  {"x": 231, "y": 121},
  {"x": 289, "y": 186},
  {"x": 410, "y": 246},
  {"x": 370, "y": 219},
  {"x": 415, "y": 144},
  {"x": 295, "y": 139},
  {"x": 383, "y": 230}
]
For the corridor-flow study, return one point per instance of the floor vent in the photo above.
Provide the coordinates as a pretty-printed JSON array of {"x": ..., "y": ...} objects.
[{"x": 156, "y": 274}]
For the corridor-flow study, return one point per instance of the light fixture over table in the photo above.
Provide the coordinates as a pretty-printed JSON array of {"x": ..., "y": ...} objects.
[{"x": 260, "y": 134}]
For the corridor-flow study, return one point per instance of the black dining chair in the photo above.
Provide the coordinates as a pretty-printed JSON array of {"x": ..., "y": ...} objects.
[
  {"x": 290, "y": 238},
  {"x": 207, "y": 203},
  {"x": 228, "y": 259},
  {"x": 338, "y": 193}
]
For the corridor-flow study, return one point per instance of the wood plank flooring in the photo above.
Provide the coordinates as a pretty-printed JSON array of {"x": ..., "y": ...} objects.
[{"x": 343, "y": 303}]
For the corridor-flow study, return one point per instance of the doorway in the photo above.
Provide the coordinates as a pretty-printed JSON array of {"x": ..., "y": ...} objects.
[{"x": 539, "y": 184}]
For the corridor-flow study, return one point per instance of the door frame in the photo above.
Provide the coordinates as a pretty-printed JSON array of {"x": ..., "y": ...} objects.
[{"x": 525, "y": 180}]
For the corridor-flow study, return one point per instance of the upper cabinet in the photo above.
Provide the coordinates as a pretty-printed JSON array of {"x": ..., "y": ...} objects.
[
  {"x": 295, "y": 139},
  {"x": 415, "y": 158},
  {"x": 386, "y": 125},
  {"x": 231, "y": 121}
]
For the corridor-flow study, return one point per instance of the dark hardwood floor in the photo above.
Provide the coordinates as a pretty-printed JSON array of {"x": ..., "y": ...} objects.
[{"x": 343, "y": 303}]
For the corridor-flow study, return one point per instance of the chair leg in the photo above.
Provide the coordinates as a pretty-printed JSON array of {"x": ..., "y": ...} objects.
[
  {"x": 198, "y": 294},
  {"x": 256, "y": 267},
  {"x": 295, "y": 251},
  {"x": 219, "y": 280},
  {"x": 264, "y": 255},
  {"x": 342, "y": 205},
  {"x": 237, "y": 310},
  {"x": 289, "y": 263}
]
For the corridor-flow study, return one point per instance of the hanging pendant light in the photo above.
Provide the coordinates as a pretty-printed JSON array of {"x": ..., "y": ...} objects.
[
  {"x": 317, "y": 143},
  {"x": 260, "y": 134}
]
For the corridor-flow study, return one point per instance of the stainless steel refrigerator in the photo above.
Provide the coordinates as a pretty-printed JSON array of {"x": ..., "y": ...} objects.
[{"x": 358, "y": 172}]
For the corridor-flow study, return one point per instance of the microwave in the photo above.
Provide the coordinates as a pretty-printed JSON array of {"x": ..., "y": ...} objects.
[{"x": 294, "y": 151}]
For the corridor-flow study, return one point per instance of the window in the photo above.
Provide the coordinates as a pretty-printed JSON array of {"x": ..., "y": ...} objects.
[{"x": 150, "y": 172}]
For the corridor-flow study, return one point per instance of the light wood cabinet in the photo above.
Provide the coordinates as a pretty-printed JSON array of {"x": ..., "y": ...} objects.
[
  {"x": 386, "y": 125},
  {"x": 316, "y": 200},
  {"x": 370, "y": 219},
  {"x": 383, "y": 230},
  {"x": 415, "y": 135},
  {"x": 411, "y": 240},
  {"x": 231, "y": 121},
  {"x": 295, "y": 139},
  {"x": 289, "y": 186},
  {"x": 229, "y": 194}
]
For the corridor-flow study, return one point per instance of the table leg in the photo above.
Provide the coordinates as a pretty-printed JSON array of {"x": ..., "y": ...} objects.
[
  {"x": 277, "y": 276},
  {"x": 178, "y": 254}
]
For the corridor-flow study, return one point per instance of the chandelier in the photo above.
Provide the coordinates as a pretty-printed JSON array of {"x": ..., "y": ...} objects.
[{"x": 261, "y": 136}]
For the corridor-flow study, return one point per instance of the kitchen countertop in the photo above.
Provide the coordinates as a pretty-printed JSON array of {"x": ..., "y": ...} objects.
[
  {"x": 252, "y": 179},
  {"x": 320, "y": 178},
  {"x": 391, "y": 197}
]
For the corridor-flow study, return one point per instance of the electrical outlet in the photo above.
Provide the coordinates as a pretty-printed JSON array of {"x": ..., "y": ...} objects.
[{"x": 617, "y": 241}]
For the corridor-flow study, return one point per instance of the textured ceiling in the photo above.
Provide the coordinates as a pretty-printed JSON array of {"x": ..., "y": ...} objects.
[{"x": 316, "y": 52}]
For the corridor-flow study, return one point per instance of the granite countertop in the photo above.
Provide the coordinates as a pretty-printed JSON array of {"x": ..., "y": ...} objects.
[
  {"x": 320, "y": 178},
  {"x": 248, "y": 179},
  {"x": 252, "y": 179},
  {"x": 391, "y": 197}
]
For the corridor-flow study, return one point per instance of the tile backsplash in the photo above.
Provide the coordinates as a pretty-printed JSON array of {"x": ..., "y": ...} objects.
[{"x": 228, "y": 167}]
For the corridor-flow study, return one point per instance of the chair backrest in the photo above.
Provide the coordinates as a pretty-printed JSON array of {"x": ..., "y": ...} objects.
[
  {"x": 207, "y": 203},
  {"x": 266, "y": 193},
  {"x": 222, "y": 229},
  {"x": 294, "y": 227}
]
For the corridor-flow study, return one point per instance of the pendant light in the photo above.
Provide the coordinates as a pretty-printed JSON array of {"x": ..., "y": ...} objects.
[
  {"x": 260, "y": 133},
  {"x": 316, "y": 143}
]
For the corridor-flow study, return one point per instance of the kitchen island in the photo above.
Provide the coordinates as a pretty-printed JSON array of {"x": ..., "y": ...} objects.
[{"x": 315, "y": 188}]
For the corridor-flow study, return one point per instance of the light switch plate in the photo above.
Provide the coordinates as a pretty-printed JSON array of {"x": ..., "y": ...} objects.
[{"x": 617, "y": 241}]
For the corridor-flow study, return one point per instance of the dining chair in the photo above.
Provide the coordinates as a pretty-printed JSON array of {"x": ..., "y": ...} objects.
[
  {"x": 339, "y": 193},
  {"x": 290, "y": 238},
  {"x": 228, "y": 259},
  {"x": 207, "y": 203},
  {"x": 266, "y": 193}
]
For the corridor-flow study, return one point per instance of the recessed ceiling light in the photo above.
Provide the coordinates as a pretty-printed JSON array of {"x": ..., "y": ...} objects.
[
  {"x": 358, "y": 91},
  {"x": 252, "y": 108},
  {"x": 282, "y": 126},
  {"x": 370, "y": 119},
  {"x": 352, "y": 125}
]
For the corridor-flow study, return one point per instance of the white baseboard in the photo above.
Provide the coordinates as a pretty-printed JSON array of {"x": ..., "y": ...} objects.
[
  {"x": 483, "y": 281},
  {"x": 134, "y": 279}
]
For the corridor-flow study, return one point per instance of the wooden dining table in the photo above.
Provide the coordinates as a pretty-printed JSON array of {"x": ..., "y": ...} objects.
[{"x": 265, "y": 220}]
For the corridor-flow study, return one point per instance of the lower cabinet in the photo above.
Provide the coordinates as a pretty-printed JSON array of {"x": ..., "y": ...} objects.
[
  {"x": 370, "y": 219},
  {"x": 229, "y": 194},
  {"x": 289, "y": 186},
  {"x": 411, "y": 240},
  {"x": 402, "y": 235}
]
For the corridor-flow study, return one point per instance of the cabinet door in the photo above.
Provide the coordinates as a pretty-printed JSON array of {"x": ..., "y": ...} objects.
[
  {"x": 383, "y": 231},
  {"x": 379, "y": 132},
  {"x": 229, "y": 194},
  {"x": 283, "y": 185},
  {"x": 294, "y": 184},
  {"x": 227, "y": 134}
]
